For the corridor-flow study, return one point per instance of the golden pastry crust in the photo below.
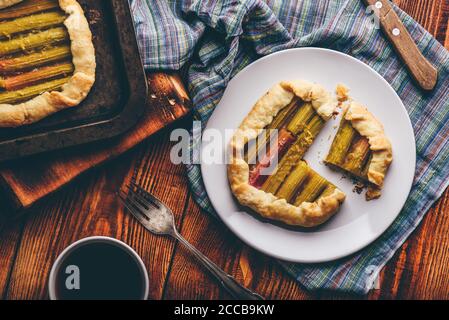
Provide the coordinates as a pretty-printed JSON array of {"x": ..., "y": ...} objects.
[
  {"x": 78, "y": 86},
  {"x": 8, "y": 3},
  {"x": 322, "y": 101},
  {"x": 368, "y": 126},
  {"x": 266, "y": 204},
  {"x": 278, "y": 97},
  {"x": 342, "y": 92}
]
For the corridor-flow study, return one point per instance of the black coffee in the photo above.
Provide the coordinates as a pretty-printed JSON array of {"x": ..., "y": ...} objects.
[{"x": 99, "y": 270}]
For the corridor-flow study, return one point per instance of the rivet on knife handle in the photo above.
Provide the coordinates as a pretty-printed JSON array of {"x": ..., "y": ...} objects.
[{"x": 424, "y": 73}]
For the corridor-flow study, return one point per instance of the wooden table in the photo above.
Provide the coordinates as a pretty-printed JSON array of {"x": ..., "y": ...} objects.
[{"x": 89, "y": 206}]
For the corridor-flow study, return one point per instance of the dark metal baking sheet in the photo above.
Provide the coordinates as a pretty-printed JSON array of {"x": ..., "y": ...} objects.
[{"x": 116, "y": 101}]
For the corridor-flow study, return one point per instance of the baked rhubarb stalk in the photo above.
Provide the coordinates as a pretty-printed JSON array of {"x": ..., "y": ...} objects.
[
  {"x": 16, "y": 96},
  {"x": 294, "y": 154},
  {"x": 33, "y": 41},
  {"x": 34, "y": 60},
  {"x": 275, "y": 151},
  {"x": 301, "y": 118},
  {"x": 357, "y": 156},
  {"x": 341, "y": 144},
  {"x": 330, "y": 188},
  {"x": 253, "y": 147},
  {"x": 312, "y": 189},
  {"x": 293, "y": 182},
  {"x": 30, "y": 78},
  {"x": 298, "y": 126},
  {"x": 350, "y": 151},
  {"x": 28, "y": 8},
  {"x": 31, "y": 23}
]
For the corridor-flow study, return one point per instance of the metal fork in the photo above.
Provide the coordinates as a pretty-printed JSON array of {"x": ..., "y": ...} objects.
[{"x": 158, "y": 219}]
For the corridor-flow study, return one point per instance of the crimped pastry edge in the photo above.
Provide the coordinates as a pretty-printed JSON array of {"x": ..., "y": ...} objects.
[
  {"x": 78, "y": 86},
  {"x": 367, "y": 125}
]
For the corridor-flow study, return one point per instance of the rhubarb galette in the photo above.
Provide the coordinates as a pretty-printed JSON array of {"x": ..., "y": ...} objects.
[
  {"x": 47, "y": 59},
  {"x": 267, "y": 172}
]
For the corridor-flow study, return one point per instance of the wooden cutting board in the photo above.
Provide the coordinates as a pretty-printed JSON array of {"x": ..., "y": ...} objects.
[{"x": 24, "y": 182}]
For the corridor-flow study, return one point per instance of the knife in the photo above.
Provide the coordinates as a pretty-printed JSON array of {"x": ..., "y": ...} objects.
[{"x": 422, "y": 71}]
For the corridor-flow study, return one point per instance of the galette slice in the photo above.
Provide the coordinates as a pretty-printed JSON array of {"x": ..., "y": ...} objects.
[
  {"x": 267, "y": 172},
  {"x": 361, "y": 149}
]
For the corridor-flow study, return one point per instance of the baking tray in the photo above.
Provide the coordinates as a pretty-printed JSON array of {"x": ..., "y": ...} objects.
[{"x": 116, "y": 101}]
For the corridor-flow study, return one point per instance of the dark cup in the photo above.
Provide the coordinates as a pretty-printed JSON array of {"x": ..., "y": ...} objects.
[{"x": 98, "y": 268}]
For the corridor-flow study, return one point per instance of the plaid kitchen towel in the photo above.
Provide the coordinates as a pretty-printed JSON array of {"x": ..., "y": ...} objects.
[{"x": 212, "y": 40}]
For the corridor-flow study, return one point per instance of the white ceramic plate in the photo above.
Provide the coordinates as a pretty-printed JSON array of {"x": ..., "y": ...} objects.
[{"x": 358, "y": 223}]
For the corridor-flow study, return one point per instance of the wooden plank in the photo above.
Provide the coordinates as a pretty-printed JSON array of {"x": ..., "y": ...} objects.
[
  {"x": 91, "y": 207},
  {"x": 420, "y": 270},
  {"x": 72, "y": 214},
  {"x": 188, "y": 280},
  {"x": 29, "y": 180},
  {"x": 433, "y": 15},
  {"x": 10, "y": 234}
]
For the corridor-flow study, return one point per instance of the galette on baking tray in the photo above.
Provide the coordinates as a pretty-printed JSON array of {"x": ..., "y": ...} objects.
[{"x": 47, "y": 59}]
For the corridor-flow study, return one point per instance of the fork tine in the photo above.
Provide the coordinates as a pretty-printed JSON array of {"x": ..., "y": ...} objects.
[
  {"x": 140, "y": 191},
  {"x": 134, "y": 184},
  {"x": 125, "y": 199},
  {"x": 132, "y": 193},
  {"x": 139, "y": 188},
  {"x": 123, "y": 193},
  {"x": 127, "y": 189},
  {"x": 149, "y": 196},
  {"x": 144, "y": 200},
  {"x": 141, "y": 205},
  {"x": 136, "y": 213},
  {"x": 157, "y": 202}
]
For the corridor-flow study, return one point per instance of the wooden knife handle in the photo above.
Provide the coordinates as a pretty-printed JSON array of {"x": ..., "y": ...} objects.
[{"x": 423, "y": 72}]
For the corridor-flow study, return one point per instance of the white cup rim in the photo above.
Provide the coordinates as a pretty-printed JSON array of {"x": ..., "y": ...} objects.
[{"x": 104, "y": 239}]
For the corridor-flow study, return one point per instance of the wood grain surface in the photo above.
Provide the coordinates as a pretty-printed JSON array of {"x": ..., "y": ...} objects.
[
  {"x": 89, "y": 206},
  {"x": 27, "y": 181}
]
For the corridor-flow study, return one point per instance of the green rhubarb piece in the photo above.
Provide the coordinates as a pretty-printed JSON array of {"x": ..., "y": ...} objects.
[
  {"x": 293, "y": 182},
  {"x": 301, "y": 118},
  {"x": 312, "y": 189},
  {"x": 33, "y": 40},
  {"x": 12, "y": 97},
  {"x": 341, "y": 143},
  {"x": 357, "y": 156},
  {"x": 330, "y": 188},
  {"x": 31, "y": 23},
  {"x": 294, "y": 155},
  {"x": 29, "y": 78},
  {"x": 253, "y": 147},
  {"x": 35, "y": 59},
  {"x": 27, "y": 8}
]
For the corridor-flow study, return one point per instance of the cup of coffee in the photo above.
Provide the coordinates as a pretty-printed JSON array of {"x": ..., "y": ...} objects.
[{"x": 98, "y": 268}]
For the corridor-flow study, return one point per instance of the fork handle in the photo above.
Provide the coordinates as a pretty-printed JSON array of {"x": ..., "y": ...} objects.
[{"x": 234, "y": 288}]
